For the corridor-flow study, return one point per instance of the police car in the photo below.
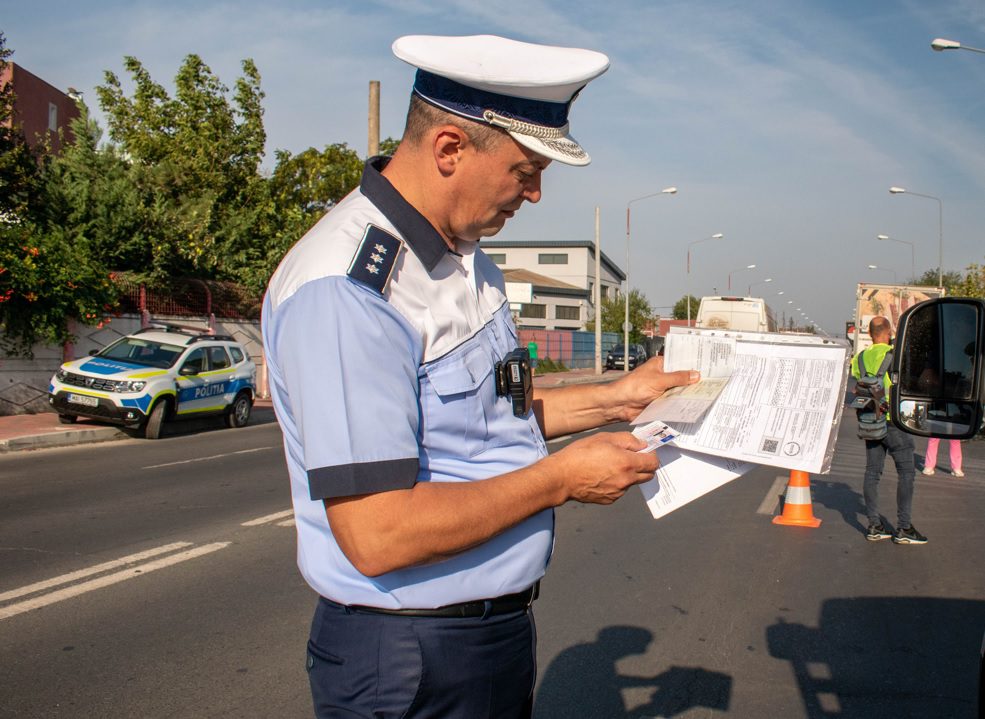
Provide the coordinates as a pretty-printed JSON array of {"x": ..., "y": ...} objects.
[{"x": 156, "y": 375}]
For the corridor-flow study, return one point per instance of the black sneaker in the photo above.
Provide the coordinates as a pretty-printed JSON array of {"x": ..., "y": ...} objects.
[
  {"x": 910, "y": 535},
  {"x": 877, "y": 532}
]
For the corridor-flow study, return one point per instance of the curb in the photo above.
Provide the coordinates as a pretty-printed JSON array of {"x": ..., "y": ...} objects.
[{"x": 66, "y": 438}]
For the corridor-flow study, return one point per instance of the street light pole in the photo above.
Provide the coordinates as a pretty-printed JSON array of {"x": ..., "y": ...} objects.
[
  {"x": 738, "y": 269},
  {"x": 625, "y": 324},
  {"x": 753, "y": 284},
  {"x": 913, "y": 266},
  {"x": 716, "y": 236},
  {"x": 940, "y": 228},
  {"x": 940, "y": 44},
  {"x": 884, "y": 269}
]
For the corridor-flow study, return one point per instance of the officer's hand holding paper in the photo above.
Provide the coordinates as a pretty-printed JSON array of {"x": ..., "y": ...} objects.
[{"x": 769, "y": 399}]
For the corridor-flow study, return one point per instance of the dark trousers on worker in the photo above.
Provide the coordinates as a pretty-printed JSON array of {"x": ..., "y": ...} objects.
[
  {"x": 899, "y": 446},
  {"x": 378, "y": 666}
]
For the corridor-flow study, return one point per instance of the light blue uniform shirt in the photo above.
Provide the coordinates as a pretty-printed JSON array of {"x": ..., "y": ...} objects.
[{"x": 380, "y": 346}]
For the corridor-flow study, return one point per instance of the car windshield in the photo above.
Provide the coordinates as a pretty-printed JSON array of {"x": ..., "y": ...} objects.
[
  {"x": 142, "y": 352},
  {"x": 620, "y": 350}
]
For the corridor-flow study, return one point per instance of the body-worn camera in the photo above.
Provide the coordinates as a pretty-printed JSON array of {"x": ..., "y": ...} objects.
[{"x": 514, "y": 379}]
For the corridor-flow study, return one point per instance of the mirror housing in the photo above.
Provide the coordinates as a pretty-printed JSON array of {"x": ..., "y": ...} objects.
[{"x": 938, "y": 367}]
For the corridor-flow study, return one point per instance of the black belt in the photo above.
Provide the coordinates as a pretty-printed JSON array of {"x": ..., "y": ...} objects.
[{"x": 478, "y": 608}]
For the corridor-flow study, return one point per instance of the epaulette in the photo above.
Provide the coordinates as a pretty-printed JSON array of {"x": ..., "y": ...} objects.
[{"x": 373, "y": 263}]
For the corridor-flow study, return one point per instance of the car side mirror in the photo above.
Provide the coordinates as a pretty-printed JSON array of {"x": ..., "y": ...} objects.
[
  {"x": 937, "y": 368},
  {"x": 188, "y": 370}
]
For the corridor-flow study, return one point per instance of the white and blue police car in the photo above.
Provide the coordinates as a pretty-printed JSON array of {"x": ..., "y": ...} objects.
[{"x": 155, "y": 375}]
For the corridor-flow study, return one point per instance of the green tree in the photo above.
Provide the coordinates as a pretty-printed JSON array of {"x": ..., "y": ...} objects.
[
  {"x": 194, "y": 162},
  {"x": 90, "y": 191},
  {"x": 613, "y": 312},
  {"x": 680, "y": 307},
  {"x": 973, "y": 283},
  {"x": 930, "y": 278}
]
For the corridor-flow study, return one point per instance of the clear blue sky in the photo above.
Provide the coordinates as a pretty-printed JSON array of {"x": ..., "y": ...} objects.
[{"x": 783, "y": 123}]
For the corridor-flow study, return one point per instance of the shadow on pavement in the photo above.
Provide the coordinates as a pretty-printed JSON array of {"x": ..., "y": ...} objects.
[
  {"x": 886, "y": 657},
  {"x": 583, "y": 682},
  {"x": 185, "y": 427}
]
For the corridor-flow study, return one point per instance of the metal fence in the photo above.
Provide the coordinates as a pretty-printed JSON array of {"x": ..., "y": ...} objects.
[
  {"x": 574, "y": 349},
  {"x": 189, "y": 297}
]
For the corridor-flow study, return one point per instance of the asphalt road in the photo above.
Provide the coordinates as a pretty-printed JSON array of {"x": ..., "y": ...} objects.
[{"x": 157, "y": 579}]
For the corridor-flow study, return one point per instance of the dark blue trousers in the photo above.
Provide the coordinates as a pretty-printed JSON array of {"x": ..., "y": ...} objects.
[{"x": 381, "y": 666}]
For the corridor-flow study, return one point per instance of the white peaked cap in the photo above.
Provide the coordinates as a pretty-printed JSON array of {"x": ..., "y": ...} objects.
[{"x": 526, "y": 89}]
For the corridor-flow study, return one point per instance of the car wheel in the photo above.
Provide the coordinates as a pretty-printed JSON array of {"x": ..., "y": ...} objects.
[
  {"x": 238, "y": 414},
  {"x": 155, "y": 421},
  {"x": 67, "y": 418}
]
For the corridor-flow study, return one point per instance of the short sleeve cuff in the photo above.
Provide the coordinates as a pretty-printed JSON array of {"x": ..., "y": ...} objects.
[{"x": 348, "y": 480}]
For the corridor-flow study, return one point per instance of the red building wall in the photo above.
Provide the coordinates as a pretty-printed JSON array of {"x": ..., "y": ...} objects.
[{"x": 33, "y": 96}]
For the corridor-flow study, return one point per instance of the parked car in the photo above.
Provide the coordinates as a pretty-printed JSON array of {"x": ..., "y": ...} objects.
[
  {"x": 156, "y": 375},
  {"x": 617, "y": 355}
]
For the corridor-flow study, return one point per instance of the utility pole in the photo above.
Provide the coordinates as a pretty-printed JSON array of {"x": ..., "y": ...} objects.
[
  {"x": 374, "y": 118},
  {"x": 597, "y": 296}
]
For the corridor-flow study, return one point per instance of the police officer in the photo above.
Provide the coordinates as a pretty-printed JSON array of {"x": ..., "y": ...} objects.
[{"x": 423, "y": 491}]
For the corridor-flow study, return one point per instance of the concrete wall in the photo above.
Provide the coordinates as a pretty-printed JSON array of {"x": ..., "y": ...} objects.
[{"x": 24, "y": 382}]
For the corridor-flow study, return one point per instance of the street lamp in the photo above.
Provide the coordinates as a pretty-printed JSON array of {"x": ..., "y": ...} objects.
[
  {"x": 913, "y": 266},
  {"x": 761, "y": 282},
  {"x": 884, "y": 269},
  {"x": 625, "y": 324},
  {"x": 716, "y": 236},
  {"x": 940, "y": 44},
  {"x": 940, "y": 228},
  {"x": 747, "y": 267}
]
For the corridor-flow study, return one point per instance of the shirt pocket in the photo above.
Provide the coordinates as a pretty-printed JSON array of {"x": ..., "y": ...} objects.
[{"x": 454, "y": 391}]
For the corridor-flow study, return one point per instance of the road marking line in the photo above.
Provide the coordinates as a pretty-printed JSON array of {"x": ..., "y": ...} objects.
[
  {"x": 97, "y": 569},
  {"x": 268, "y": 518},
  {"x": 559, "y": 439},
  {"x": 108, "y": 580},
  {"x": 286, "y": 523},
  {"x": 205, "y": 459},
  {"x": 772, "y": 499}
]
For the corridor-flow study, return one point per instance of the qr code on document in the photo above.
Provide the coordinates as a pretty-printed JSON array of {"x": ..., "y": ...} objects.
[{"x": 771, "y": 445}]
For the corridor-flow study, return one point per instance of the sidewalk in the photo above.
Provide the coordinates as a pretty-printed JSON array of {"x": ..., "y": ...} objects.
[{"x": 40, "y": 431}]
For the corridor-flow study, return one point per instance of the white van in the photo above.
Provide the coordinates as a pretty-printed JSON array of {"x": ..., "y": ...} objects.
[{"x": 747, "y": 314}]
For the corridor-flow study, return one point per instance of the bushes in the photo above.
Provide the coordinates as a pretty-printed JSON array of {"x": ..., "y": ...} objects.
[{"x": 547, "y": 365}]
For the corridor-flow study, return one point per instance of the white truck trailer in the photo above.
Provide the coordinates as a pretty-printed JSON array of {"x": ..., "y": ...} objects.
[{"x": 890, "y": 301}]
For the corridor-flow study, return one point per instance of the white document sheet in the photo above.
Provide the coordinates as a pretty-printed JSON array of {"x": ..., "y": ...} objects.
[
  {"x": 712, "y": 356},
  {"x": 781, "y": 407},
  {"x": 684, "y": 476},
  {"x": 683, "y": 404}
]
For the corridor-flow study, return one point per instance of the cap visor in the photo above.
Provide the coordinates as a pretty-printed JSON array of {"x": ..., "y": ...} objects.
[{"x": 563, "y": 149}]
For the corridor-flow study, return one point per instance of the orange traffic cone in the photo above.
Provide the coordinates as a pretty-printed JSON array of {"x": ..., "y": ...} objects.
[{"x": 797, "y": 511}]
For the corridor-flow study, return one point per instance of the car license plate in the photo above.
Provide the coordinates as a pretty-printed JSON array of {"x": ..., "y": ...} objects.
[{"x": 83, "y": 399}]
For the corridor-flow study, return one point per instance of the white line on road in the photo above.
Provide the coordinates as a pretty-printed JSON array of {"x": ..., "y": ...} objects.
[
  {"x": 109, "y": 579},
  {"x": 206, "y": 459},
  {"x": 268, "y": 518},
  {"x": 88, "y": 572},
  {"x": 772, "y": 499},
  {"x": 286, "y": 523}
]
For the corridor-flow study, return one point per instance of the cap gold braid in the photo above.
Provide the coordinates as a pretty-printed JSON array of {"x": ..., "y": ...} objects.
[{"x": 553, "y": 137}]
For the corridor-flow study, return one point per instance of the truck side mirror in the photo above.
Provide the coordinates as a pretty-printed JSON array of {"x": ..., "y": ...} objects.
[{"x": 937, "y": 368}]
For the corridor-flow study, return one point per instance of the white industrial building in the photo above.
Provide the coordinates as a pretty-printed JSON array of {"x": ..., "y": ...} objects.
[{"x": 553, "y": 283}]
